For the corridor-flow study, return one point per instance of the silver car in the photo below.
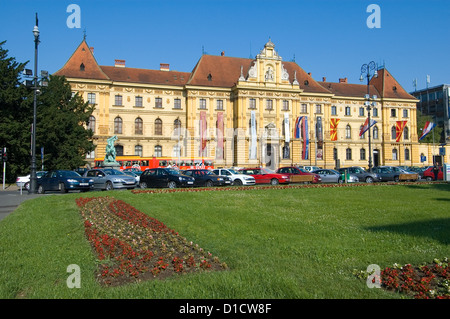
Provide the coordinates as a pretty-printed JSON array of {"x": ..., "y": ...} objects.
[
  {"x": 108, "y": 179},
  {"x": 333, "y": 176}
]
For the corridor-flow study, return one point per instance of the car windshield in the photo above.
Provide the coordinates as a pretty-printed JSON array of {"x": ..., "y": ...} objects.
[
  {"x": 301, "y": 169},
  {"x": 267, "y": 171},
  {"x": 172, "y": 171},
  {"x": 232, "y": 171},
  {"x": 70, "y": 174},
  {"x": 113, "y": 172}
]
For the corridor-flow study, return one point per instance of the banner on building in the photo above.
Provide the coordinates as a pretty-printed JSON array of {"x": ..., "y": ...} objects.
[
  {"x": 333, "y": 129},
  {"x": 304, "y": 125},
  {"x": 253, "y": 142},
  {"x": 220, "y": 129},
  {"x": 319, "y": 137},
  {"x": 298, "y": 127},
  {"x": 366, "y": 126},
  {"x": 287, "y": 134},
  {"x": 400, "y": 125},
  {"x": 203, "y": 132},
  {"x": 427, "y": 129}
]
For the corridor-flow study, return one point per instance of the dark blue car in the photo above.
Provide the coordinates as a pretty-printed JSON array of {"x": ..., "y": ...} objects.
[{"x": 64, "y": 181}]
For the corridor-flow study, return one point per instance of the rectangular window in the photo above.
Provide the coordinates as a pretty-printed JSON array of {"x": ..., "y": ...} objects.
[
  {"x": 375, "y": 112},
  {"x": 348, "y": 154},
  {"x": 220, "y": 104},
  {"x": 405, "y": 113},
  {"x": 319, "y": 108},
  {"x": 91, "y": 98},
  {"x": 361, "y": 111},
  {"x": 348, "y": 111},
  {"x": 118, "y": 100},
  {"x": 138, "y": 101},
  {"x": 304, "y": 108},
  {"x": 158, "y": 102},
  {"x": 202, "y": 103},
  {"x": 269, "y": 104},
  {"x": 177, "y": 104},
  {"x": 333, "y": 110},
  {"x": 393, "y": 113},
  {"x": 285, "y": 105},
  {"x": 252, "y": 104}
]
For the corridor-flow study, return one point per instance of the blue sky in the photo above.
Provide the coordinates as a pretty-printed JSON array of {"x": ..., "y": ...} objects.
[{"x": 327, "y": 38}]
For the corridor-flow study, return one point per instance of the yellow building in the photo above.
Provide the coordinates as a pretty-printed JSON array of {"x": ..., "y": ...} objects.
[{"x": 243, "y": 112}]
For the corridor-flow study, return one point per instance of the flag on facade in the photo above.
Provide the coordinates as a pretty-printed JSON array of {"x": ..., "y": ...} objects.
[
  {"x": 304, "y": 124},
  {"x": 366, "y": 126},
  {"x": 298, "y": 128},
  {"x": 333, "y": 129},
  {"x": 203, "y": 130},
  {"x": 399, "y": 126},
  {"x": 427, "y": 129},
  {"x": 253, "y": 136}
]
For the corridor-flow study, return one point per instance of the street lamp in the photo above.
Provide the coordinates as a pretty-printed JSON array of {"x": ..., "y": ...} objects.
[{"x": 370, "y": 101}]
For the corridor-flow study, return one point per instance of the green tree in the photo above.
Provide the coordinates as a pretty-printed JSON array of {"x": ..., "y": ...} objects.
[
  {"x": 61, "y": 126},
  {"x": 438, "y": 131},
  {"x": 15, "y": 116}
]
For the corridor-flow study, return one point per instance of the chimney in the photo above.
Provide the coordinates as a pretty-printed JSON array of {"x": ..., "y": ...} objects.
[
  {"x": 92, "y": 49},
  {"x": 344, "y": 80},
  {"x": 222, "y": 53},
  {"x": 309, "y": 73},
  {"x": 324, "y": 79},
  {"x": 119, "y": 63},
  {"x": 164, "y": 67}
]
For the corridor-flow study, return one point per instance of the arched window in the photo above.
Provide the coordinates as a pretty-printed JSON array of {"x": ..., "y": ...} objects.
[
  {"x": 406, "y": 133},
  {"x": 118, "y": 125},
  {"x": 362, "y": 154},
  {"x": 158, "y": 126},
  {"x": 177, "y": 127},
  {"x": 158, "y": 151},
  {"x": 91, "y": 123},
  {"x": 407, "y": 154},
  {"x": 138, "y": 150},
  {"x": 138, "y": 126},
  {"x": 348, "y": 131},
  {"x": 375, "y": 132},
  {"x": 393, "y": 133},
  {"x": 119, "y": 150},
  {"x": 394, "y": 154}
]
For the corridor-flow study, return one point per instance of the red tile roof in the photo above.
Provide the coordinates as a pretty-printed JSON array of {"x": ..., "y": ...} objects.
[
  {"x": 388, "y": 86},
  {"x": 349, "y": 90},
  {"x": 123, "y": 74}
]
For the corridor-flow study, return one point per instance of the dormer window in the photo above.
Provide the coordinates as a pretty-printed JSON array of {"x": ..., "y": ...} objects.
[
  {"x": 81, "y": 67},
  {"x": 209, "y": 77}
]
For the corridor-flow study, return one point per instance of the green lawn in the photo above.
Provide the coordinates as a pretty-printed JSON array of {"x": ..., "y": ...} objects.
[{"x": 277, "y": 243}]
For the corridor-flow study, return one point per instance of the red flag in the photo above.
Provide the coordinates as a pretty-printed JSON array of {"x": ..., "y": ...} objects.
[
  {"x": 333, "y": 129},
  {"x": 400, "y": 125}
]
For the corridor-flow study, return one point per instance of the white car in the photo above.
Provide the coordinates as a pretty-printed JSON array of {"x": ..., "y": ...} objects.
[
  {"x": 236, "y": 177},
  {"x": 24, "y": 181}
]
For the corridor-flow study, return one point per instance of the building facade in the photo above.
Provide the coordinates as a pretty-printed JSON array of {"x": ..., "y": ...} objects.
[{"x": 245, "y": 112}]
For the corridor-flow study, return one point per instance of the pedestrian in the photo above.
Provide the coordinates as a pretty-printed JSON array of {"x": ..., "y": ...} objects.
[{"x": 436, "y": 171}]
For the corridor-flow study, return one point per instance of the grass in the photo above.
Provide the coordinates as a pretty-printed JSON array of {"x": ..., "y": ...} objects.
[{"x": 282, "y": 243}]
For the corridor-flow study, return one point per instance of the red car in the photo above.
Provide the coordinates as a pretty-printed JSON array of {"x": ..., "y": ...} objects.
[
  {"x": 293, "y": 170},
  {"x": 428, "y": 174},
  {"x": 266, "y": 176}
]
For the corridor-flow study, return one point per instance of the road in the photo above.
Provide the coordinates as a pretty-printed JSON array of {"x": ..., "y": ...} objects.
[{"x": 11, "y": 198}]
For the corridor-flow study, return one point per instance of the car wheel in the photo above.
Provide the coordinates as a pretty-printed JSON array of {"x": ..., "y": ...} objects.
[
  {"x": 274, "y": 181},
  {"x": 429, "y": 178},
  {"x": 27, "y": 186},
  {"x": 172, "y": 184},
  {"x": 237, "y": 182},
  {"x": 62, "y": 188},
  {"x": 41, "y": 189},
  {"x": 209, "y": 183},
  {"x": 143, "y": 185},
  {"x": 369, "y": 179},
  {"x": 396, "y": 179},
  {"x": 340, "y": 181},
  {"x": 109, "y": 186}
]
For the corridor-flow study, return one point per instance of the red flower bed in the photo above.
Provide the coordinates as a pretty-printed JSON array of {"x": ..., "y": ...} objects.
[{"x": 132, "y": 246}]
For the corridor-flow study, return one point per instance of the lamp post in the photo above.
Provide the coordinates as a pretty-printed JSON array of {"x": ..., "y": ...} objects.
[
  {"x": 369, "y": 70},
  {"x": 33, "y": 177}
]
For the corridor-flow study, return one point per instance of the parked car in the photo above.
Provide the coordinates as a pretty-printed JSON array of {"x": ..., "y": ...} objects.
[
  {"x": 109, "y": 178},
  {"x": 164, "y": 177},
  {"x": 310, "y": 168},
  {"x": 428, "y": 174},
  {"x": 392, "y": 173},
  {"x": 362, "y": 174},
  {"x": 237, "y": 178},
  {"x": 134, "y": 174},
  {"x": 204, "y": 177},
  {"x": 419, "y": 170},
  {"x": 293, "y": 170},
  {"x": 63, "y": 181},
  {"x": 333, "y": 176},
  {"x": 264, "y": 175},
  {"x": 24, "y": 181}
]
